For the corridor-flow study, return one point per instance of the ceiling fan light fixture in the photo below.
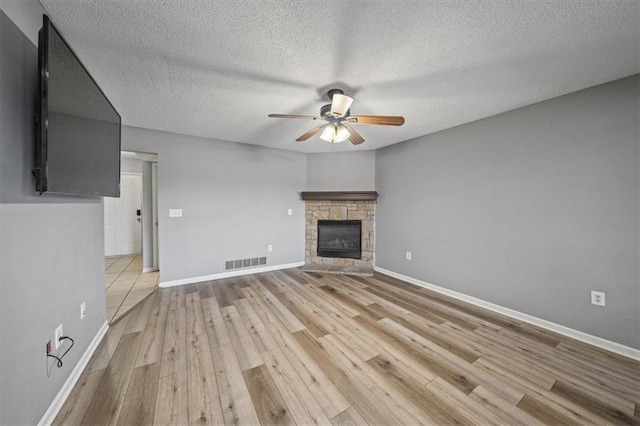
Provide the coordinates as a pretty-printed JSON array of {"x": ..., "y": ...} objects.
[
  {"x": 342, "y": 133},
  {"x": 340, "y": 104},
  {"x": 338, "y": 119},
  {"x": 335, "y": 133}
]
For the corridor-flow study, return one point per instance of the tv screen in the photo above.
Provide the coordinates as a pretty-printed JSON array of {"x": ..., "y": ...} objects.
[{"x": 78, "y": 137}]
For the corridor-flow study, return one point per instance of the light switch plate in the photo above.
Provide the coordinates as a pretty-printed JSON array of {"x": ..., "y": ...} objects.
[{"x": 175, "y": 212}]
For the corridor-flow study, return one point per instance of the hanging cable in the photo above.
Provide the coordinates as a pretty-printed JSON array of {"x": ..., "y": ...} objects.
[{"x": 59, "y": 359}]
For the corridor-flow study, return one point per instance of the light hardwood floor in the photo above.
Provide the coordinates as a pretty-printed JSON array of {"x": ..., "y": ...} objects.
[
  {"x": 289, "y": 347},
  {"x": 125, "y": 284}
]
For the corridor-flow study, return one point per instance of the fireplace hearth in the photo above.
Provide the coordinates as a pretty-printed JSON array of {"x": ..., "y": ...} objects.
[{"x": 340, "y": 239}]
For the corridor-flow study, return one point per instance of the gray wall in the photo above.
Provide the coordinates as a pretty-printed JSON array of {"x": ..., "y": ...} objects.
[
  {"x": 234, "y": 199},
  {"x": 51, "y": 251},
  {"x": 341, "y": 171},
  {"x": 531, "y": 209}
]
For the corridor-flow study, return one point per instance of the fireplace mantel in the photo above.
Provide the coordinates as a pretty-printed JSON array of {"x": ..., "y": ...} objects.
[{"x": 339, "y": 195}]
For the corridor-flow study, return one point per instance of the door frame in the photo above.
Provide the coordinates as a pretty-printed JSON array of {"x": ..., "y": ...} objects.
[
  {"x": 154, "y": 215},
  {"x": 151, "y": 158}
]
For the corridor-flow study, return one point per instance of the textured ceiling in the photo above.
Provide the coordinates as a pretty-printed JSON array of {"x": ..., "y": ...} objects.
[{"x": 217, "y": 68}]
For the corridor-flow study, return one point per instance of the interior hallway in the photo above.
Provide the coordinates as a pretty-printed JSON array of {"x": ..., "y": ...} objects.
[{"x": 126, "y": 285}]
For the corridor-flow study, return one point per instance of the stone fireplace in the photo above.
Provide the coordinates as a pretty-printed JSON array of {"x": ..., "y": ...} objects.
[{"x": 340, "y": 215}]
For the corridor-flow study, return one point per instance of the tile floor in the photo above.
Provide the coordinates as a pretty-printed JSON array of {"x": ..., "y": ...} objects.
[{"x": 126, "y": 284}]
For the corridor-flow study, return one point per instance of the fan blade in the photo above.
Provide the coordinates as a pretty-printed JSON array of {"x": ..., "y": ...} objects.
[
  {"x": 382, "y": 120},
  {"x": 340, "y": 104},
  {"x": 354, "y": 137},
  {"x": 310, "y": 133},
  {"x": 300, "y": 117}
]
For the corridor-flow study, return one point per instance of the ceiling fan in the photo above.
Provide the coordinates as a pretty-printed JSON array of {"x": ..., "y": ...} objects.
[{"x": 337, "y": 120}]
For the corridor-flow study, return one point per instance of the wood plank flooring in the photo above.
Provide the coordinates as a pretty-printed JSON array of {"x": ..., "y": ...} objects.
[
  {"x": 126, "y": 285},
  {"x": 289, "y": 347}
]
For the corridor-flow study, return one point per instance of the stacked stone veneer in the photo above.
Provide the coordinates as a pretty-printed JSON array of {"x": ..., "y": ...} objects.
[{"x": 340, "y": 210}]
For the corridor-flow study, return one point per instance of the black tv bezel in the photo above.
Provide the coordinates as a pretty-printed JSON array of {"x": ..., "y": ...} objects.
[{"x": 41, "y": 169}]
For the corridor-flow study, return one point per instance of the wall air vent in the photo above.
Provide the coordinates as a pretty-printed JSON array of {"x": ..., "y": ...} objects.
[{"x": 244, "y": 263}]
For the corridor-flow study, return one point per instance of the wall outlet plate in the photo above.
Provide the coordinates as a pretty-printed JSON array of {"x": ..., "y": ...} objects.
[
  {"x": 597, "y": 298},
  {"x": 290, "y": 212},
  {"x": 175, "y": 212},
  {"x": 83, "y": 310},
  {"x": 57, "y": 335},
  {"x": 408, "y": 255},
  {"x": 269, "y": 248}
]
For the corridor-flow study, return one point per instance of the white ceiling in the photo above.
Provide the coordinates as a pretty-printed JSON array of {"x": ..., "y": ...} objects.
[{"x": 217, "y": 68}]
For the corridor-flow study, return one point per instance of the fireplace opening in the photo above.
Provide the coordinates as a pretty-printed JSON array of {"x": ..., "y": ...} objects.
[{"x": 340, "y": 238}]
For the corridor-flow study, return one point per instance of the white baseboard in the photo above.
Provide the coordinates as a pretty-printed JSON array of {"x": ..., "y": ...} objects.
[
  {"x": 229, "y": 274},
  {"x": 557, "y": 328},
  {"x": 64, "y": 392},
  {"x": 148, "y": 269}
]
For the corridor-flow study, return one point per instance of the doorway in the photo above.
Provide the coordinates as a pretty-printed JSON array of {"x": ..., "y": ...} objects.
[{"x": 130, "y": 235}]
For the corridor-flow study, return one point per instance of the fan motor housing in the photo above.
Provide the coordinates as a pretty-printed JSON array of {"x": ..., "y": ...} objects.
[
  {"x": 325, "y": 112},
  {"x": 332, "y": 92}
]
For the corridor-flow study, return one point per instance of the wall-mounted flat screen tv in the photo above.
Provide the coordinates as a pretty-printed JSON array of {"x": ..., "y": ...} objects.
[{"x": 78, "y": 135}]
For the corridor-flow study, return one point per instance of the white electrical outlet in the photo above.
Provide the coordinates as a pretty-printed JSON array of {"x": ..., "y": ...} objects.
[
  {"x": 290, "y": 212},
  {"x": 57, "y": 335},
  {"x": 83, "y": 310},
  {"x": 269, "y": 248},
  {"x": 597, "y": 298},
  {"x": 408, "y": 255}
]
